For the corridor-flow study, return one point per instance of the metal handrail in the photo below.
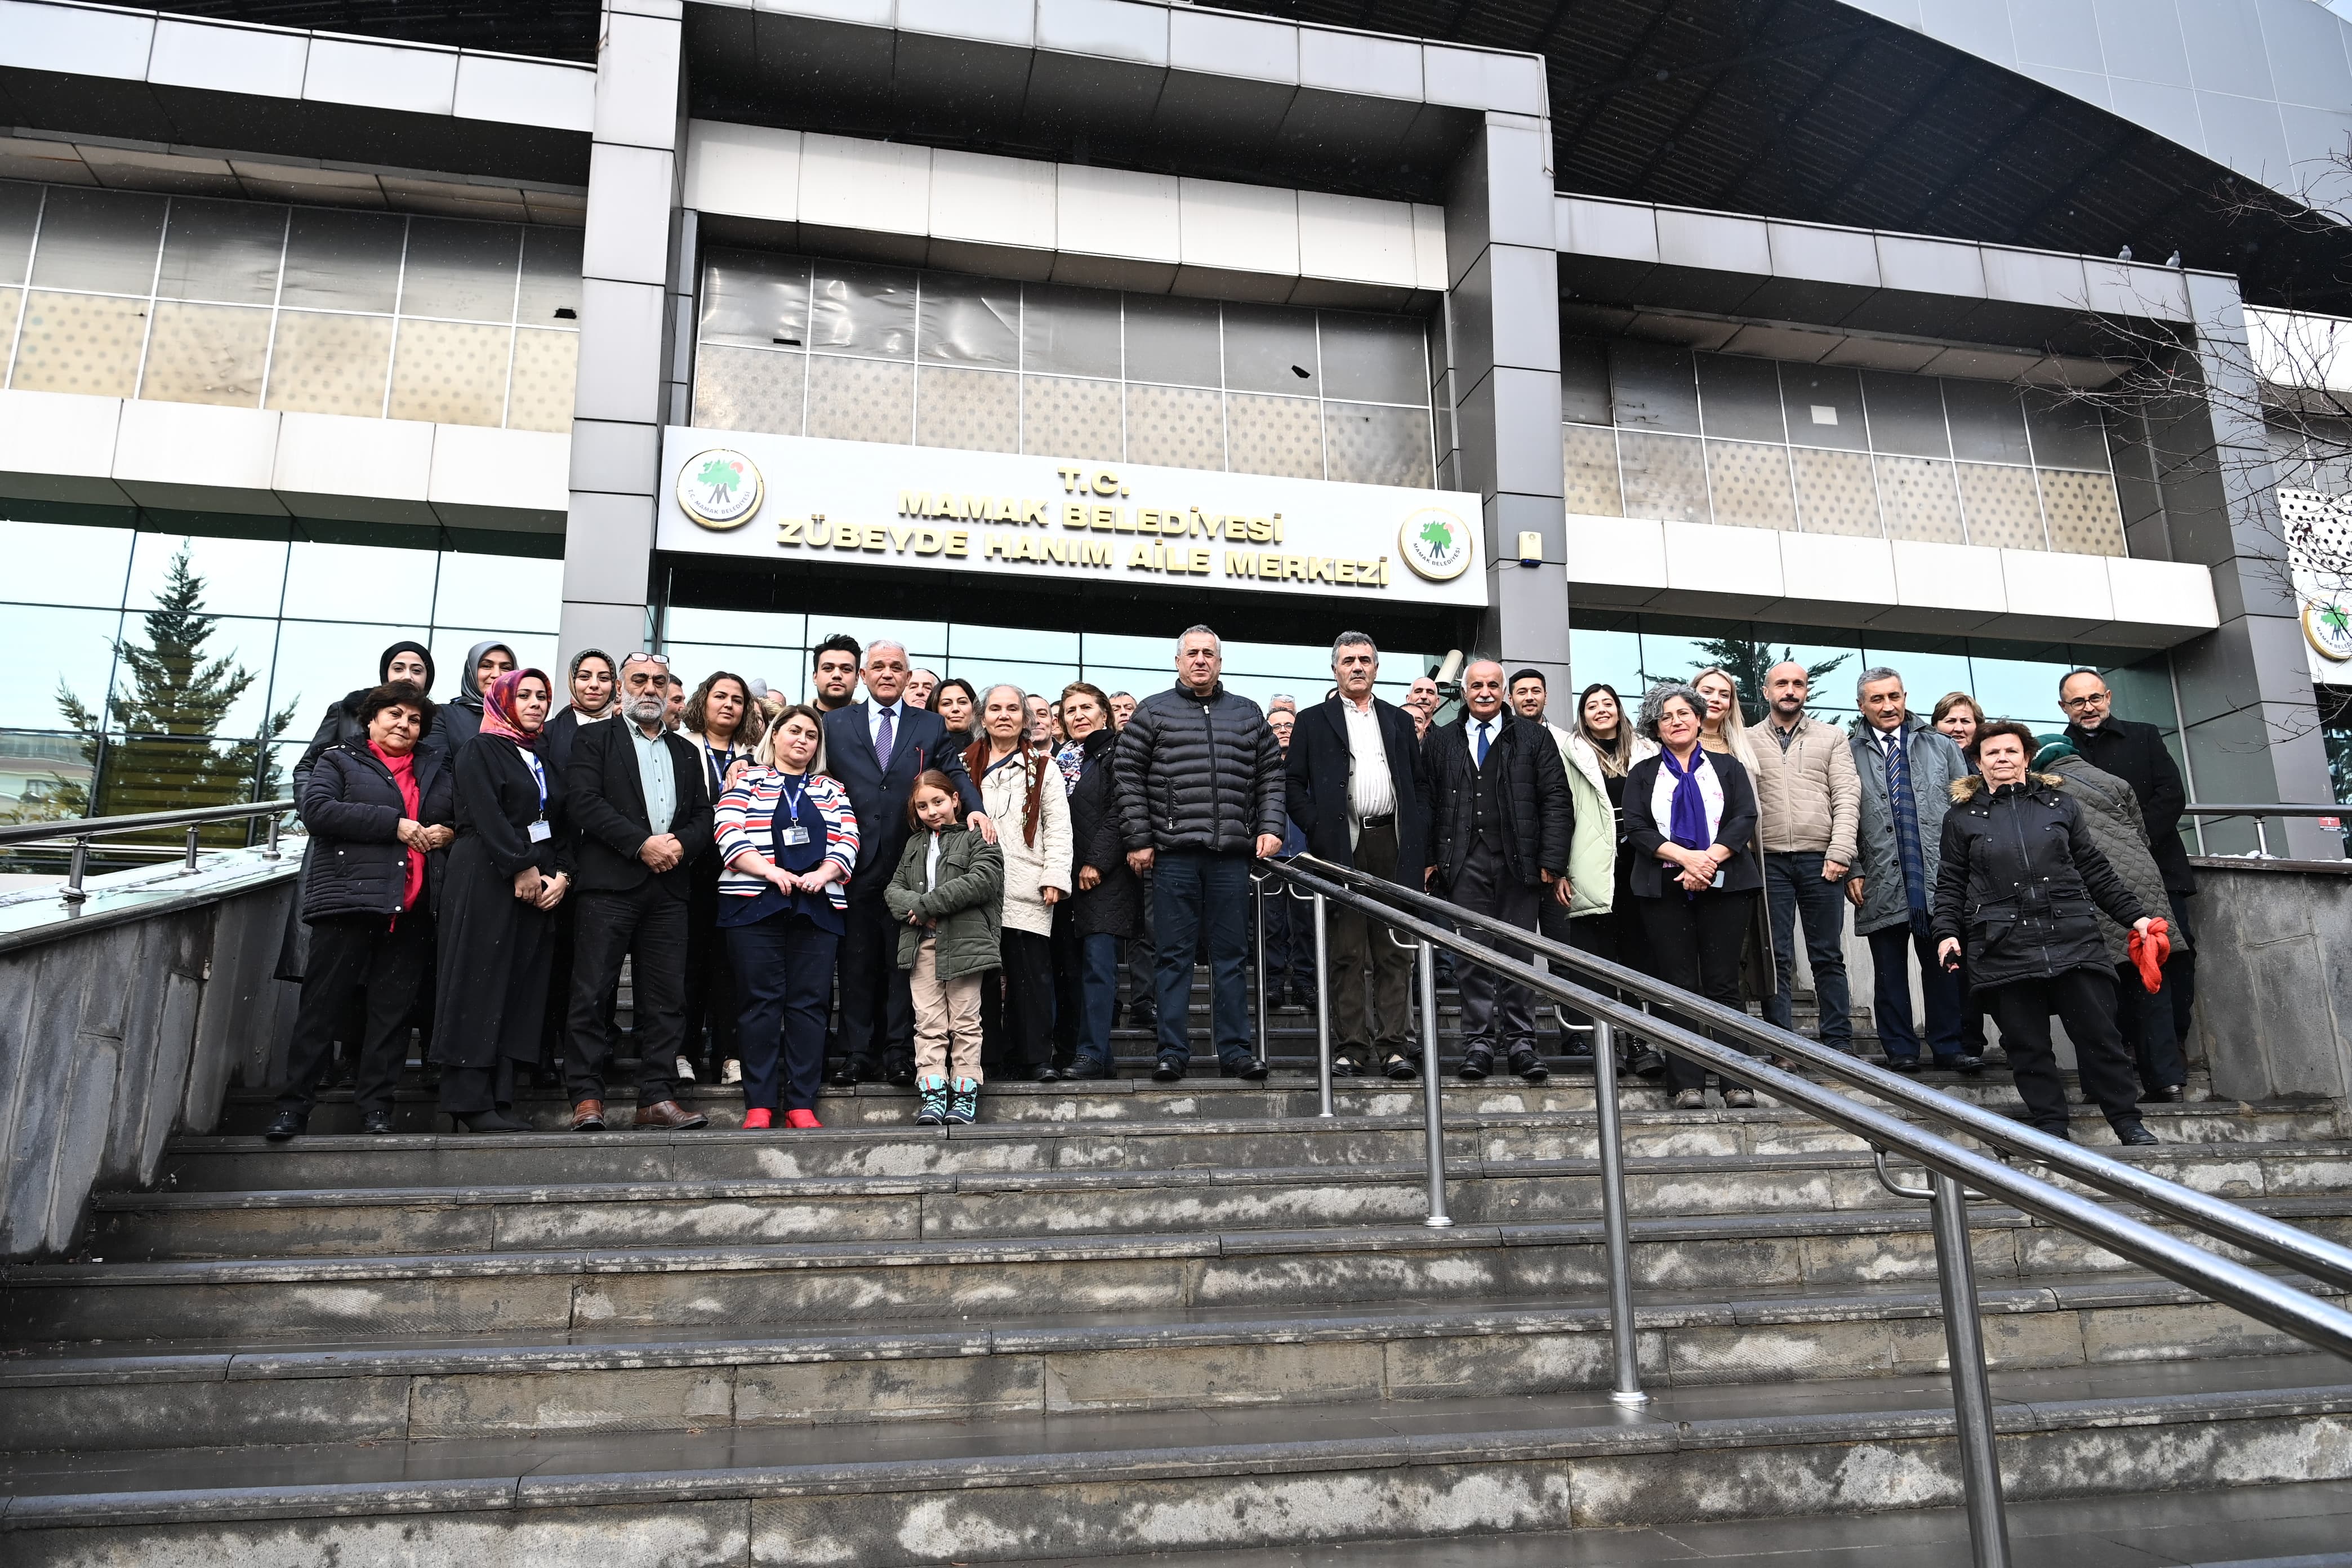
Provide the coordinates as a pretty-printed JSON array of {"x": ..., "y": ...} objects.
[
  {"x": 2259, "y": 810},
  {"x": 2285, "y": 1244},
  {"x": 1955, "y": 1170},
  {"x": 81, "y": 830}
]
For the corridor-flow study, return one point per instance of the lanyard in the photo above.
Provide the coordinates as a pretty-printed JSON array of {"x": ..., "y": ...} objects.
[
  {"x": 793, "y": 796},
  {"x": 539, "y": 776},
  {"x": 718, "y": 761}
]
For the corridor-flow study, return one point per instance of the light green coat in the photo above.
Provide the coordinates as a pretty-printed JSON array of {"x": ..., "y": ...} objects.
[{"x": 1592, "y": 845}]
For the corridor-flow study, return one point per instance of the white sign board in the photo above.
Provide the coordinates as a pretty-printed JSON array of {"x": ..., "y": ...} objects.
[
  {"x": 1062, "y": 520},
  {"x": 2319, "y": 555}
]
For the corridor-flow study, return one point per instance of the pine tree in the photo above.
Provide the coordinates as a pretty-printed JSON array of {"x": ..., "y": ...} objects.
[
  {"x": 155, "y": 748},
  {"x": 1746, "y": 662}
]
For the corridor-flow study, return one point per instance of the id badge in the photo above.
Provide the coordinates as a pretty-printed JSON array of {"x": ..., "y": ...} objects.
[
  {"x": 795, "y": 836},
  {"x": 541, "y": 832}
]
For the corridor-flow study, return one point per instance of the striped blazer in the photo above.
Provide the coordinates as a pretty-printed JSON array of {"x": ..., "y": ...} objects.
[{"x": 745, "y": 818}]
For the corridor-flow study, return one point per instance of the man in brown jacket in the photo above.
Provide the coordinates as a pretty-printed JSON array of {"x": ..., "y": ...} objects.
[{"x": 1810, "y": 803}]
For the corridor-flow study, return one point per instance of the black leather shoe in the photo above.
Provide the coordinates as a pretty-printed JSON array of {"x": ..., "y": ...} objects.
[
  {"x": 843, "y": 1077},
  {"x": 1398, "y": 1069},
  {"x": 2134, "y": 1135},
  {"x": 1647, "y": 1063},
  {"x": 2165, "y": 1094},
  {"x": 1254, "y": 1069},
  {"x": 1965, "y": 1065},
  {"x": 376, "y": 1121},
  {"x": 1170, "y": 1070},
  {"x": 1049, "y": 1073},
  {"x": 1474, "y": 1067},
  {"x": 286, "y": 1124},
  {"x": 899, "y": 1076},
  {"x": 1089, "y": 1071},
  {"x": 1900, "y": 1064},
  {"x": 1344, "y": 1067},
  {"x": 1529, "y": 1067}
]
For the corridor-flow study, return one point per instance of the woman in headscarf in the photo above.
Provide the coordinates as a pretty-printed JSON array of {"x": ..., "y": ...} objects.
[
  {"x": 594, "y": 684},
  {"x": 485, "y": 662},
  {"x": 342, "y": 726},
  {"x": 508, "y": 871},
  {"x": 1687, "y": 812}
]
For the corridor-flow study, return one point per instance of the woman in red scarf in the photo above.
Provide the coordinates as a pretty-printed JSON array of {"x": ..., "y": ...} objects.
[
  {"x": 509, "y": 871},
  {"x": 379, "y": 810}
]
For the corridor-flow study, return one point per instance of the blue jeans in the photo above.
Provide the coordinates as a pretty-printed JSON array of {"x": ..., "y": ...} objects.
[
  {"x": 1194, "y": 892},
  {"x": 1897, "y": 1038},
  {"x": 783, "y": 966},
  {"x": 1098, "y": 996},
  {"x": 1793, "y": 886}
]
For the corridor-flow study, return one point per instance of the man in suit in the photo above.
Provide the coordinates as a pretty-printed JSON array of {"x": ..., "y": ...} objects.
[
  {"x": 876, "y": 749},
  {"x": 1358, "y": 793},
  {"x": 1500, "y": 821},
  {"x": 636, "y": 796}
]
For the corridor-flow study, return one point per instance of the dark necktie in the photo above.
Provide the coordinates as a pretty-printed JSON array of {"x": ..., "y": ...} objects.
[
  {"x": 886, "y": 737},
  {"x": 1482, "y": 741}
]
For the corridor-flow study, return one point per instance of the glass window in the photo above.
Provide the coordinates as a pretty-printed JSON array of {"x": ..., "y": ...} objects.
[
  {"x": 319, "y": 661},
  {"x": 755, "y": 300},
  {"x": 516, "y": 592},
  {"x": 1907, "y": 414},
  {"x": 692, "y": 662},
  {"x": 858, "y": 310},
  {"x": 1173, "y": 341},
  {"x": 2022, "y": 689},
  {"x": 1045, "y": 681},
  {"x": 1741, "y": 398},
  {"x": 20, "y": 208},
  {"x": 1069, "y": 332},
  {"x": 343, "y": 262},
  {"x": 1987, "y": 422},
  {"x": 1287, "y": 660},
  {"x": 2066, "y": 432},
  {"x": 1665, "y": 477},
  {"x": 1010, "y": 642},
  {"x": 244, "y": 647},
  {"x": 750, "y": 628},
  {"x": 551, "y": 277},
  {"x": 72, "y": 651},
  {"x": 1653, "y": 387},
  {"x": 1824, "y": 407},
  {"x": 222, "y": 251},
  {"x": 364, "y": 582},
  {"x": 922, "y": 639},
  {"x": 1153, "y": 653},
  {"x": 236, "y": 576},
  {"x": 1374, "y": 359},
  {"x": 99, "y": 240},
  {"x": 459, "y": 269},
  {"x": 970, "y": 320},
  {"x": 532, "y": 650},
  {"x": 60, "y": 564},
  {"x": 1271, "y": 347},
  {"x": 1583, "y": 381}
]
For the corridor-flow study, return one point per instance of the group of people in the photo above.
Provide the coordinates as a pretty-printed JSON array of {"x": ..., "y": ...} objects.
[{"x": 915, "y": 880}]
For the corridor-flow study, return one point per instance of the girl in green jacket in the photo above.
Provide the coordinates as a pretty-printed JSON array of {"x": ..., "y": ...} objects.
[{"x": 948, "y": 894}]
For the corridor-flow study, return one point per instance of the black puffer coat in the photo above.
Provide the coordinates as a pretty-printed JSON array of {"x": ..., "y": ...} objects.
[
  {"x": 356, "y": 864},
  {"x": 1199, "y": 773},
  {"x": 1113, "y": 907},
  {"x": 1538, "y": 818},
  {"x": 2020, "y": 882}
]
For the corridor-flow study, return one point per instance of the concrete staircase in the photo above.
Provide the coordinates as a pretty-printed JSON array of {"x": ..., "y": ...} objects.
[{"x": 1120, "y": 1317}]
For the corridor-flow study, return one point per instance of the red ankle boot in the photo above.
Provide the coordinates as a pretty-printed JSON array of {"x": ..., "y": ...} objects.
[
  {"x": 802, "y": 1118},
  {"x": 759, "y": 1120}
]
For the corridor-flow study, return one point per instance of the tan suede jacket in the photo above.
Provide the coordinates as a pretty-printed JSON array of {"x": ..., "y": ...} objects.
[{"x": 1809, "y": 796}]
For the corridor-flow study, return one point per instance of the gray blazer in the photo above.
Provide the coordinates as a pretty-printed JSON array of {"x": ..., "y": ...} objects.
[{"x": 1936, "y": 764}]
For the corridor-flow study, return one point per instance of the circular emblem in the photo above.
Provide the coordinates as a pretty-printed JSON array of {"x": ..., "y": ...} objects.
[
  {"x": 719, "y": 488},
  {"x": 2329, "y": 626},
  {"x": 1435, "y": 543}
]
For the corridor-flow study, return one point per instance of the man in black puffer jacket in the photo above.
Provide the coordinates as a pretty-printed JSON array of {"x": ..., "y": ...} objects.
[
  {"x": 1498, "y": 834},
  {"x": 1200, "y": 796}
]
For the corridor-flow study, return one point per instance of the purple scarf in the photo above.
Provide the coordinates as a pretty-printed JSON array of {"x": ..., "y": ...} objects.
[{"x": 1686, "y": 814}]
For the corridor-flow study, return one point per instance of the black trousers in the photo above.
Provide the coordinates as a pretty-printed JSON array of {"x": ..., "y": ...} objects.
[
  {"x": 357, "y": 968},
  {"x": 1498, "y": 1015},
  {"x": 878, "y": 1007},
  {"x": 2181, "y": 973},
  {"x": 1016, "y": 1007},
  {"x": 2085, "y": 1000},
  {"x": 1695, "y": 942},
  {"x": 647, "y": 925},
  {"x": 2144, "y": 1020},
  {"x": 712, "y": 1004},
  {"x": 467, "y": 1090},
  {"x": 1069, "y": 981}
]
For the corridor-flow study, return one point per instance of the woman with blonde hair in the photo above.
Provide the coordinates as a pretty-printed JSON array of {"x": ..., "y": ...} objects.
[
  {"x": 1725, "y": 727},
  {"x": 1959, "y": 715}
]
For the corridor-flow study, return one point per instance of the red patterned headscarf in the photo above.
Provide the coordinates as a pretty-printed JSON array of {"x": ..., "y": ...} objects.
[{"x": 499, "y": 708}]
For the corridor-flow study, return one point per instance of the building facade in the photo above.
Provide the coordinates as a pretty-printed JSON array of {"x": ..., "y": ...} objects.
[{"x": 1032, "y": 331}]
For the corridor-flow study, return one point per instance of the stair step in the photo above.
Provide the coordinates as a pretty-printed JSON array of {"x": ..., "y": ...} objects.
[{"x": 1027, "y": 1487}]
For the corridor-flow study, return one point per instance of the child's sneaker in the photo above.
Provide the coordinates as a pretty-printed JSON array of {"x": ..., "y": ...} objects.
[
  {"x": 965, "y": 1107},
  {"x": 934, "y": 1108}
]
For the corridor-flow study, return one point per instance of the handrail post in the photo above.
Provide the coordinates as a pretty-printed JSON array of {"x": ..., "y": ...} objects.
[
  {"x": 270, "y": 848},
  {"x": 1628, "y": 1390},
  {"x": 75, "y": 892},
  {"x": 1432, "y": 1090},
  {"x": 1971, "y": 1394},
  {"x": 194, "y": 834},
  {"x": 1257, "y": 917},
  {"x": 1323, "y": 1007}
]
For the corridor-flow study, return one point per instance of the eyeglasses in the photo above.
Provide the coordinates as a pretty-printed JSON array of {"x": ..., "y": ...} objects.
[
  {"x": 2071, "y": 704},
  {"x": 659, "y": 659}
]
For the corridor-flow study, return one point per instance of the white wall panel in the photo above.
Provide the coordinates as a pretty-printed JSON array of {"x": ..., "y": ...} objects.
[
  {"x": 1357, "y": 237},
  {"x": 624, "y": 184},
  {"x": 75, "y": 41},
  {"x": 526, "y": 473},
  {"x": 526, "y": 92},
  {"x": 1233, "y": 46},
  {"x": 380, "y": 75},
  {"x": 639, "y": 106},
  {"x": 849, "y": 183},
  {"x": 978, "y": 197},
  {"x": 335, "y": 465},
  {"x": 750, "y": 171},
  {"x": 1237, "y": 228},
  {"x": 193, "y": 455},
  {"x": 263, "y": 62},
  {"x": 59, "y": 445},
  {"x": 1113, "y": 212}
]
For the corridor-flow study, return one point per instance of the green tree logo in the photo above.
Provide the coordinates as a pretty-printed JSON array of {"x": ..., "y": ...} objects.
[
  {"x": 720, "y": 477},
  {"x": 1438, "y": 535}
]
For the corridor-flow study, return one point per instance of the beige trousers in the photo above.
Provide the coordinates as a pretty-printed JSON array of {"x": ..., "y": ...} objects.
[{"x": 946, "y": 1018}]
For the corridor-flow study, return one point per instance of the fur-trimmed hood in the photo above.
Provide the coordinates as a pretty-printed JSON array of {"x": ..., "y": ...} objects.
[{"x": 1964, "y": 790}]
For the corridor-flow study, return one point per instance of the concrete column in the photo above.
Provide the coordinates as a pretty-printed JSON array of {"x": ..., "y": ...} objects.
[
  {"x": 627, "y": 326},
  {"x": 2251, "y": 728},
  {"x": 1503, "y": 377}
]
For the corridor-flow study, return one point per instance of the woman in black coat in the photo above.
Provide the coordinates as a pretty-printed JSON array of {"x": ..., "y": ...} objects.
[
  {"x": 379, "y": 811},
  {"x": 1689, "y": 813},
  {"x": 1105, "y": 905},
  {"x": 507, "y": 874},
  {"x": 2018, "y": 891}
]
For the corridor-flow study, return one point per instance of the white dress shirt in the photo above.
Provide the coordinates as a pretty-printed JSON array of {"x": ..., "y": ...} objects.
[
  {"x": 1371, "y": 791},
  {"x": 1710, "y": 789}
]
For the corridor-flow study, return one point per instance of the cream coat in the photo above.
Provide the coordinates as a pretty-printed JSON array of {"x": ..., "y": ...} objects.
[
  {"x": 1809, "y": 796},
  {"x": 1030, "y": 867},
  {"x": 1592, "y": 849}
]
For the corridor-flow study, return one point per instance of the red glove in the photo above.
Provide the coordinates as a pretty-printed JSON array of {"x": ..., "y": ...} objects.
[{"x": 2149, "y": 952}]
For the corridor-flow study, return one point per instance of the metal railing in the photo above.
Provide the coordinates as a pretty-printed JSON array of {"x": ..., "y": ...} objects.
[
  {"x": 81, "y": 830},
  {"x": 1672, "y": 1023},
  {"x": 2260, "y": 812}
]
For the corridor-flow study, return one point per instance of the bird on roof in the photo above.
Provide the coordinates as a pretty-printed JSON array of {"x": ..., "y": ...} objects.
[{"x": 2123, "y": 255}]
